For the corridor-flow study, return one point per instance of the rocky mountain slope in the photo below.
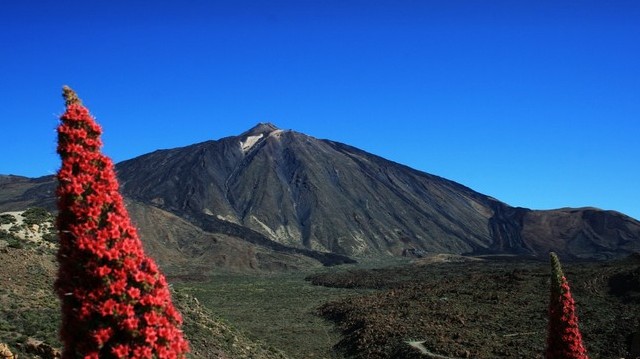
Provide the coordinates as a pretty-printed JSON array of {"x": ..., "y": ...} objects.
[
  {"x": 30, "y": 310},
  {"x": 296, "y": 194},
  {"x": 180, "y": 247}
]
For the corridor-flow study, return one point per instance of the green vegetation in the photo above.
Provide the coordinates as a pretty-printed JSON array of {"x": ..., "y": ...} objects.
[
  {"x": 7, "y": 219},
  {"x": 16, "y": 243},
  {"x": 41, "y": 323},
  {"x": 36, "y": 215},
  {"x": 262, "y": 315},
  {"x": 28, "y": 306},
  {"x": 278, "y": 309},
  {"x": 12, "y": 240},
  {"x": 480, "y": 309},
  {"x": 50, "y": 236},
  {"x": 7, "y": 236}
]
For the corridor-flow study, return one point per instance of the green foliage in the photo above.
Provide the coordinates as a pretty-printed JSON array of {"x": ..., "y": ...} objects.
[
  {"x": 475, "y": 309},
  {"x": 7, "y": 219},
  {"x": 36, "y": 215},
  {"x": 51, "y": 237},
  {"x": 41, "y": 323},
  {"x": 28, "y": 305},
  {"x": 7, "y": 236},
  {"x": 16, "y": 243},
  {"x": 278, "y": 308}
]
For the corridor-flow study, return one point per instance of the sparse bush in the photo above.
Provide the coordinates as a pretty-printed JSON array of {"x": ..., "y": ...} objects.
[
  {"x": 7, "y": 219},
  {"x": 50, "y": 237},
  {"x": 16, "y": 243},
  {"x": 36, "y": 215},
  {"x": 7, "y": 236},
  {"x": 12, "y": 240}
]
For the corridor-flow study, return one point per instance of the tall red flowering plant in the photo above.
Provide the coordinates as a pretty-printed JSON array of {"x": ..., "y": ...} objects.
[
  {"x": 115, "y": 301},
  {"x": 564, "y": 340}
]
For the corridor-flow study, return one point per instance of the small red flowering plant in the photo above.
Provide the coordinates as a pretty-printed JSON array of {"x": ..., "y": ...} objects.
[
  {"x": 115, "y": 301},
  {"x": 564, "y": 340}
]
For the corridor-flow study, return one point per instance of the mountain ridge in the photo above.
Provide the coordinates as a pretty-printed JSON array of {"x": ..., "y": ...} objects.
[{"x": 293, "y": 192}]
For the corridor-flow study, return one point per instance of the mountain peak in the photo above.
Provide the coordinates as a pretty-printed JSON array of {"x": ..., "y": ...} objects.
[{"x": 261, "y": 128}]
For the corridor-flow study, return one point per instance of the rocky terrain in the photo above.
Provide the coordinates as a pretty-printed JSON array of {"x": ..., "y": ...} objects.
[
  {"x": 446, "y": 305},
  {"x": 30, "y": 310},
  {"x": 459, "y": 307}
]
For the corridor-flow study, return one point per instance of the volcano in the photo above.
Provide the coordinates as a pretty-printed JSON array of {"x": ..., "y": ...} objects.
[{"x": 297, "y": 194}]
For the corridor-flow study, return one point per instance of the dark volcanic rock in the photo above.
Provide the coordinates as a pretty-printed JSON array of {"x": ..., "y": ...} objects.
[
  {"x": 18, "y": 193},
  {"x": 293, "y": 193},
  {"x": 318, "y": 194},
  {"x": 304, "y": 192},
  {"x": 581, "y": 233}
]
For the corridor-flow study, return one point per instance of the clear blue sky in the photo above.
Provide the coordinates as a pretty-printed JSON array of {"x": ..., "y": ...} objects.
[{"x": 536, "y": 103}]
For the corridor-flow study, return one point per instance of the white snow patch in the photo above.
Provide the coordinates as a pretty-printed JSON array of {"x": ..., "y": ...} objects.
[{"x": 250, "y": 142}]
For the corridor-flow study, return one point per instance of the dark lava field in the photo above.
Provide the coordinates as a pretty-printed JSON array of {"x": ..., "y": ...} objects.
[{"x": 480, "y": 308}]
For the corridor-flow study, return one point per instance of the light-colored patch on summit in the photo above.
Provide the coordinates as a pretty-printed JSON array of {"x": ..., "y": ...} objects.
[
  {"x": 276, "y": 133},
  {"x": 250, "y": 142}
]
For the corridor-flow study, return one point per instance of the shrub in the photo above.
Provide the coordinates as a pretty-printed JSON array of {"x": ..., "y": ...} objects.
[
  {"x": 115, "y": 301},
  {"x": 7, "y": 236},
  {"x": 36, "y": 215},
  {"x": 7, "y": 219},
  {"x": 50, "y": 237},
  {"x": 15, "y": 242}
]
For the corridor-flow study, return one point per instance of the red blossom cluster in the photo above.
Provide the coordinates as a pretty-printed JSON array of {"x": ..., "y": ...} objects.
[
  {"x": 115, "y": 301},
  {"x": 564, "y": 340}
]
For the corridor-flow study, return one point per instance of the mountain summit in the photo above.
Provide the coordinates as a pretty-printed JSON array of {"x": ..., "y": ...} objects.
[
  {"x": 326, "y": 196},
  {"x": 262, "y": 128},
  {"x": 290, "y": 191}
]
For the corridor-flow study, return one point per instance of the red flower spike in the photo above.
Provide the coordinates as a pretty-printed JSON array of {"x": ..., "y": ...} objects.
[
  {"x": 106, "y": 283},
  {"x": 564, "y": 340}
]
